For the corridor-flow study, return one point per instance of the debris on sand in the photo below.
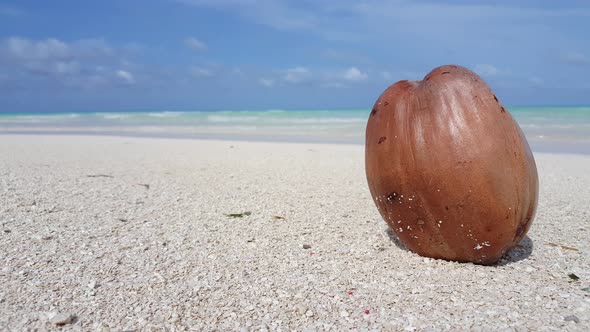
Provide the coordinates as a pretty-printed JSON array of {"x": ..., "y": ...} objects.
[
  {"x": 63, "y": 319},
  {"x": 238, "y": 215}
]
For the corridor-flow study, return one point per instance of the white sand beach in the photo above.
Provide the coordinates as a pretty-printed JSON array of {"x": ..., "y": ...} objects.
[{"x": 116, "y": 233}]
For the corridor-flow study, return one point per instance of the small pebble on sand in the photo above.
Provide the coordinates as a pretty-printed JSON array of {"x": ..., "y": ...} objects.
[
  {"x": 572, "y": 318},
  {"x": 62, "y": 319}
]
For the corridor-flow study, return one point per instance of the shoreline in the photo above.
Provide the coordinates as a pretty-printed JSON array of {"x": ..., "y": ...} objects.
[{"x": 537, "y": 146}]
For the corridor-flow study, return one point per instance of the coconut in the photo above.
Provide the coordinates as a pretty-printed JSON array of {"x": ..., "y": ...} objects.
[{"x": 449, "y": 168}]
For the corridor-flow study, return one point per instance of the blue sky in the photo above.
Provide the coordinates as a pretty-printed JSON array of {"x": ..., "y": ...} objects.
[{"x": 282, "y": 54}]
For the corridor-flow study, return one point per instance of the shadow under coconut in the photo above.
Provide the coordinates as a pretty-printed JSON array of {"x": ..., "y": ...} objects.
[{"x": 519, "y": 252}]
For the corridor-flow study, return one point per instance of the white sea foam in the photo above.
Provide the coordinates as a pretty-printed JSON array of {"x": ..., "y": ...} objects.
[
  {"x": 330, "y": 120},
  {"x": 38, "y": 118},
  {"x": 282, "y": 120},
  {"x": 226, "y": 119},
  {"x": 114, "y": 116},
  {"x": 165, "y": 114}
]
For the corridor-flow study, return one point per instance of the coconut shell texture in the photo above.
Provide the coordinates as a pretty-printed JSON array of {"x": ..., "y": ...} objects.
[{"x": 449, "y": 169}]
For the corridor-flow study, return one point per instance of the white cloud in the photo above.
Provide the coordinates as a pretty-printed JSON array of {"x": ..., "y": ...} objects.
[
  {"x": 322, "y": 78},
  {"x": 267, "y": 82},
  {"x": 195, "y": 44},
  {"x": 87, "y": 63},
  {"x": 486, "y": 69},
  {"x": 575, "y": 58},
  {"x": 353, "y": 74},
  {"x": 20, "y": 48},
  {"x": 125, "y": 76},
  {"x": 297, "y": 75},
  {"x": 55, "y": 69},
  {"x": 490, "y": 71},
  {"x": 200, "y": 72}
]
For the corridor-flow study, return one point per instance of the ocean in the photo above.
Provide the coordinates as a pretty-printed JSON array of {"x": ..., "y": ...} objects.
[{"x": 547, "y": 128}]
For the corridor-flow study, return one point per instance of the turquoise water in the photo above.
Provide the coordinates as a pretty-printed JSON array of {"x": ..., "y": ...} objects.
[{"x": 543, "y": 126}]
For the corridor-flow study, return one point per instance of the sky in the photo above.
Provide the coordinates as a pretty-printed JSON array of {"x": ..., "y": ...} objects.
[{"x": 159, "y": 55}]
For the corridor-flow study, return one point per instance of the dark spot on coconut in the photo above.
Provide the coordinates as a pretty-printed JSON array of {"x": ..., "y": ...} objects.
[
  {"x": 385, "y": 103},
  {"x": 521, "y": 228},
  {"x": 464, "y": 163},
  {"x": 495, "y": 98},
  {"x": 373, "y": 112},
  {"x": 382, "y": 139},
  {"x": 445, "y": 72},
  {"x": 447, "y": 208},
  {"x": 392, "y": 196},
  {"x": 503, "y": 110}
]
